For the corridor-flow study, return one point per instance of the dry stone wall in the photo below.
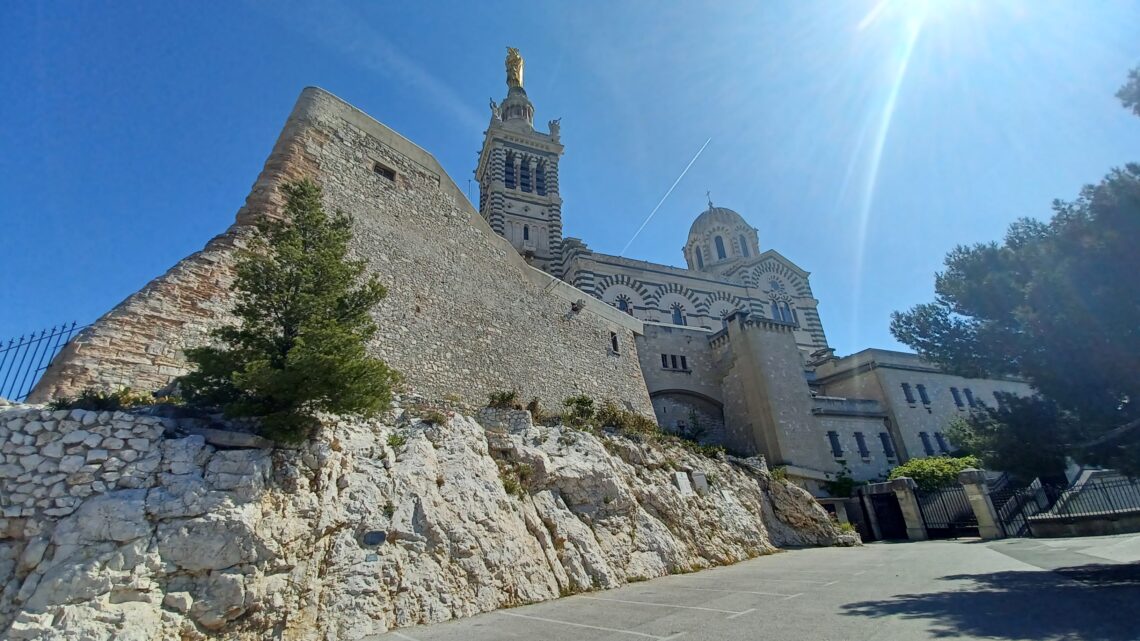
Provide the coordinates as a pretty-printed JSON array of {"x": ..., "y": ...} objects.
[
  {"x": 465, "y": 315},
  {"x": 162, "y": 535}
]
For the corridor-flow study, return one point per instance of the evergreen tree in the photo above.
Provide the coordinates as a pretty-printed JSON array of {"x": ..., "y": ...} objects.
[
  {"x": 1058, "y": 303},
  {"x": 300, "y": 345}
]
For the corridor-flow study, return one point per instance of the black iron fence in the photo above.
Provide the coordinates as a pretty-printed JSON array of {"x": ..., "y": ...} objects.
[
  {"x": 947, "y": 513},
  {"x": 24, "y": 359},
  {"x": 1097, "y": 497},
  {"x": 1108, "y": 497}
]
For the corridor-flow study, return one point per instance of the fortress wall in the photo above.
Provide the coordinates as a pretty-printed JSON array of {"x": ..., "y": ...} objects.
[{"x": 465, "y": 315}]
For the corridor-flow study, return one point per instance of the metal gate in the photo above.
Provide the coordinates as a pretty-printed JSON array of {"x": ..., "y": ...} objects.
[
  {"x": 947, "y": 513},
  {"x": 889, "y": 516}
]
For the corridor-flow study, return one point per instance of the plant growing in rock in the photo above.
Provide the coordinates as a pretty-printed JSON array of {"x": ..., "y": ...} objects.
[
  {"x": 103, "y": 401},
  {"x": 304, "y": 323},
  {"x": 396, "y": 441},
  {"x": 579, "y": 411},
  {"x": 507, "y": 400}
]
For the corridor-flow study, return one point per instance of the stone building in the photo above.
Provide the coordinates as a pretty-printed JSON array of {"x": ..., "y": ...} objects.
[
  {"x": 732, "y": 348},
  {"x": 729, "y": 349}
]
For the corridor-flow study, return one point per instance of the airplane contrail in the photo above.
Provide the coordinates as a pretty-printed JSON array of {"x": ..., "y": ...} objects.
[{"x": 673, "y": 186}]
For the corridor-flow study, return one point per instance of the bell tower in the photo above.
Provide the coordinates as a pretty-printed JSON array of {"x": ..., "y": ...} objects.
[{"x": 518, "y": 176}]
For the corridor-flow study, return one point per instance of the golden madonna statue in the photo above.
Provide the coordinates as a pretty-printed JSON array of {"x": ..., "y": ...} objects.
[{"x": 514, "y": 68}]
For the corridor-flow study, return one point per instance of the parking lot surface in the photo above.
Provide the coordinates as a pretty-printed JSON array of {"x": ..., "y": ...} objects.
[{"x": 1014, "y": 589}]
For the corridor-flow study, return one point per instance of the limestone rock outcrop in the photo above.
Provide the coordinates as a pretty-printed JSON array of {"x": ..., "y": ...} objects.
[{"x": 131, "y": 527}]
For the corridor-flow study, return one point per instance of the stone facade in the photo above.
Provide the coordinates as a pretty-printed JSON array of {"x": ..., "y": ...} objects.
[
  {"x": 117, "y": 525},
  {"x": 497, "y": 299},
  {"x": 465, "y": 314},
  {"x": 920, "y": 400}
]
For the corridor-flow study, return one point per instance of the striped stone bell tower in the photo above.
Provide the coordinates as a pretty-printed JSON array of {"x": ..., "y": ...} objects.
[{"x": 518, "y": 176}]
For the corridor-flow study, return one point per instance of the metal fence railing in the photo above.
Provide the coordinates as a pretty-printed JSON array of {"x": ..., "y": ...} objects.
[
  {"x": 1096, "y": 497},
  {"x": 24, "y": 359}
]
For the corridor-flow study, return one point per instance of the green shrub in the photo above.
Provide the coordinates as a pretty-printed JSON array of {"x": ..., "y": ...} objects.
[
  {"x": 435, "y": 417},
  {"x": 299, "y": 347},
  {"x": 625, "y": 421},
  {"x": 779, "y": 473},
  {"x": 579, "y": 410},
  {"x": 842, "y": 485},
  {"x": 934, "y": 472},
  {"x": 847, "y": 528},
  {"x": 396, "y": 441},
  {"x": 103, "y": 401},
  {"x": 503, "y": 400}
]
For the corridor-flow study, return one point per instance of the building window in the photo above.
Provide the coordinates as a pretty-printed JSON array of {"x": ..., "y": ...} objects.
[
  {"x": 743, "y": 246},
  {"x": 926, "y": 447},
  {"x": 540, "y": 178},
  {"x": 836, "y": 448},
  {"x": 673, "y": 360},
  {"x": 510, "y": 181},
  {"x": 861, "y": 443},
  {"x": 942, "y": 445},
  {"x": 384, "y": 171},
  {"x": 720, "y": 253},
  {"x": 684, "y": 365},
  {"x": 526, "y": 232},
  {"x": 784, "y": 313},
  {"x": 700, "y": 258},
  {"x": 957, "y": 397},
  {"x": 524, "y": 174},
  {"x": 678, "y": 314},
  {"x": 969, "y": 397},
  {"x": 888, "y": 446},
  {"x": 922, "y": 394},
  {"x": 665, "y": 361},
  {"x": 909, "y": 394},
  {"x": 614, "y": 342}
]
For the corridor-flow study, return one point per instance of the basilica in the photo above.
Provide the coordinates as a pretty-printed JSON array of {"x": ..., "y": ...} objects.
[{"x": 732, "y": 348}]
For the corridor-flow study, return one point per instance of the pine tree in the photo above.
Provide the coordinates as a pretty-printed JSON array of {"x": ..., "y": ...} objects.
[{"x": 300, "y": 345}]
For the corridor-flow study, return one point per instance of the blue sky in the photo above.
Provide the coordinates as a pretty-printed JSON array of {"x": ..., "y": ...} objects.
[{"x": 863, "y": 144}]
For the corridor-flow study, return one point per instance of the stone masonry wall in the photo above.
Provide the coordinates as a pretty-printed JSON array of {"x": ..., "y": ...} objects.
[
  {"x": 465, "y": 315},
  {"x": 126, "y": 526}
]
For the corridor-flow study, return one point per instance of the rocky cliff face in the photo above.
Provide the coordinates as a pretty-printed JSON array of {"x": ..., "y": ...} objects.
[{"x": 123, "y": 526}]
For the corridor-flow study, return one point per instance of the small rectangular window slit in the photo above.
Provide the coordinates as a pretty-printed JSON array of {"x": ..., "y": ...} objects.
[{"x": 386, "y": 172}]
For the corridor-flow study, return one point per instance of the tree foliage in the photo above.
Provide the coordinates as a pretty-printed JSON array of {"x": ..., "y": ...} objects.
[
  {"x": 303, "y": 311},
  {"x": 934, "y": 472},
  {"x": 1022, "y": 436},
  {"x": 1057, "y": 303},
  {"x": 1129, "y": 94}
]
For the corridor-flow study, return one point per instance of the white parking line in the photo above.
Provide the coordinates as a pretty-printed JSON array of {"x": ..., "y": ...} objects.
[
  {"x": 403, "y": 636},
  {"x": 783, "y": 580},
  {"x": 731, "y": 591},
  {"x": 662, "y": 605},
  {"x": 591, "y": 627},
  {"x": 745, "y": 612}
]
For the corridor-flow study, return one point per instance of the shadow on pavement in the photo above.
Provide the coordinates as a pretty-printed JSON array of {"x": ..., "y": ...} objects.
[{"x": 1088, "y": 602}]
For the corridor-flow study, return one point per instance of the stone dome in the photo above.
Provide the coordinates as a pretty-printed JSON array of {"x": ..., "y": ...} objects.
[{"x": 719, "y": 236}]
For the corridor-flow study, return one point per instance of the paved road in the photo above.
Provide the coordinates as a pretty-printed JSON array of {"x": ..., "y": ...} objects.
[{"x": 1072, "y": 589}]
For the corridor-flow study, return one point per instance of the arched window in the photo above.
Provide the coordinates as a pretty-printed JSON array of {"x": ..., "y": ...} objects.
[
  {"x": 524, "y": 174},
  {"x": 743, "y": 246},
  {"x": 678, "y": 314},
  {"x": 623, "y": 304},
  {"x": 720, "y": 254},
  {"x": 540, "y": 178},
  {"x": 526, "y": 232},
  {"x": 700, "y": 259},
  {"x": 510, "y": 181}
]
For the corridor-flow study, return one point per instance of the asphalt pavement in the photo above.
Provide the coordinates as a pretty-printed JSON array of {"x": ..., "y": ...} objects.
[{"x": 1039, "y": 589}]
